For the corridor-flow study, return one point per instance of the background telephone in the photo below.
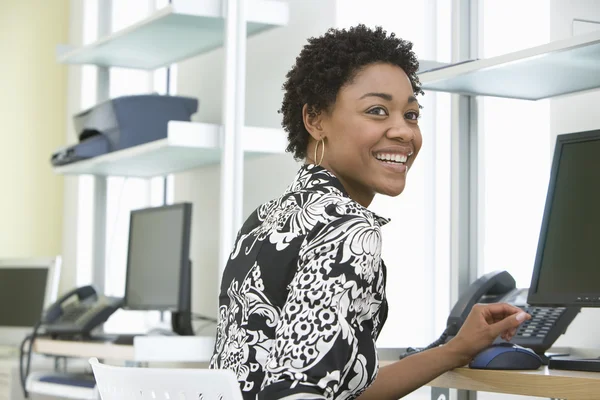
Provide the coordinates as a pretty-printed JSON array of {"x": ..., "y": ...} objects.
[
  {"x": 78, "y": 312},
  {"x": 538, "y": 333}
]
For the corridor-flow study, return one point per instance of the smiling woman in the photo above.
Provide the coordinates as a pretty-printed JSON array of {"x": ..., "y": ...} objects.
[
  {"x": 303, "y": 298},
  {"x": 372, "y": 134}
]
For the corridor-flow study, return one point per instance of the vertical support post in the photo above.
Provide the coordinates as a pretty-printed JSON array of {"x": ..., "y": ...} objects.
[
  {"x": 231, "y": 136},
  {"x": 100, "y": 182},
  {"x": 99, "y": 234}
]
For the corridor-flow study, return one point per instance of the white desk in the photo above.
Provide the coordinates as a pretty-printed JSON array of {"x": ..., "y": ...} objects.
[{"x": 163, "y": 349}]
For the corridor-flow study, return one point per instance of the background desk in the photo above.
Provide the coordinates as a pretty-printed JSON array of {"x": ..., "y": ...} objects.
[
  {"x": 159, "y": 349},
  {"x": 196, "y": 349}
]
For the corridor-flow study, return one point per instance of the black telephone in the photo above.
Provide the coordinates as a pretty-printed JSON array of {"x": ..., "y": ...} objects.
[
  {"x": 78, "y": 312},
  {"x": 538, "y": 333}
]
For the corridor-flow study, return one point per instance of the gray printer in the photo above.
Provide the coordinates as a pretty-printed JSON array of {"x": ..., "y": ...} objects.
[{"x": 124, "y": 122}]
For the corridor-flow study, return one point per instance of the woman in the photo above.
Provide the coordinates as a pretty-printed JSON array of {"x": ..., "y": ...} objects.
[{"x": 303, "y": 294}]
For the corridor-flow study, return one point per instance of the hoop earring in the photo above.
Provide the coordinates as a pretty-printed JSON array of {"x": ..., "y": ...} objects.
[{"x": 321, "y": 141}]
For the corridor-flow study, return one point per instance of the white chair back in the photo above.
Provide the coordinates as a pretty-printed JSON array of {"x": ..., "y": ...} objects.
[{"x": 120, "y": 383}]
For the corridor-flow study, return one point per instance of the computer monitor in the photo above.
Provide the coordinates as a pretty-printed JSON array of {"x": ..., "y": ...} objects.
[
  {"x": 158, "y": 265},
  {"x": 567, "y": 265},
  {"x": 27, "y": 287}
]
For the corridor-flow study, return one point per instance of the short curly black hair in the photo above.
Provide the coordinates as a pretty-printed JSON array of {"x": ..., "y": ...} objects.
[{"x": 329, "y": 62}]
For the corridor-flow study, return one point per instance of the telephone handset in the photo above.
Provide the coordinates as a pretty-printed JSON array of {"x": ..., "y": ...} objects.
[
  {"x": 490, "y": 288},
  {"x": 538, "y": 333},
  {"x": 79, "y": 311}
]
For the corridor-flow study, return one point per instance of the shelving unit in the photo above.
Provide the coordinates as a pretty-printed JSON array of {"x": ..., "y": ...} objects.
[
  {"x": 181, "y": 30},
  {"x": 188, "y": 145},
  {"x": 554, "y": 69}
]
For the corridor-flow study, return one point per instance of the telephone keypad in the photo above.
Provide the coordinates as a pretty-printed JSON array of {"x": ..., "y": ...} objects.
[
  {"x": 542, "y": 320},
  {"x": 72, "y": 314}
]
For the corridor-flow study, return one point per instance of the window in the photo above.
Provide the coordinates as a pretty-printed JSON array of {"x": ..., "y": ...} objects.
[
  {"x": 515, "y": 147},
  {"x": 515, "y": 153},
  {"x": 416, "y": 242}
]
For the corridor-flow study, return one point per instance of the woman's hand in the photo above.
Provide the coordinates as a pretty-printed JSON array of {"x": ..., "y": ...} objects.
[{"x": 483, "y": 325}]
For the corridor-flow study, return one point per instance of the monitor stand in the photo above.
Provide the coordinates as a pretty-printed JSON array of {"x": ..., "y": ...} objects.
[
  {"x": 575, "y": 364},
  {"x": 181, "y": 323}
]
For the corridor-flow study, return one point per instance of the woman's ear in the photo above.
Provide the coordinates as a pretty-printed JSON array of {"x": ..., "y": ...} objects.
[{"x": 313, "y": 122}]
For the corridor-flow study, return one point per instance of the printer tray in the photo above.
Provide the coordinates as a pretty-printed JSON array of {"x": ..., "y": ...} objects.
[{"x": 91, "y": 147}]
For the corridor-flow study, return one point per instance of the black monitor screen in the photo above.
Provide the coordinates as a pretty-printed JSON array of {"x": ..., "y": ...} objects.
[
  {"x": 22, "y": 294},
  {"x": 567, "y": 269},
  {"x": 158, "y": 256}
]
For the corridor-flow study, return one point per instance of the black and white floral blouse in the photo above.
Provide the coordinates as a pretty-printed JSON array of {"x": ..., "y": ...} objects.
[{"x": 303, "y": 295}]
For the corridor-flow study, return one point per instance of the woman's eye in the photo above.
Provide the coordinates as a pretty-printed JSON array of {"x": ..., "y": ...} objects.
[
  {"x": 413, "y": 116},
  {"x": 377, "y": 111}
]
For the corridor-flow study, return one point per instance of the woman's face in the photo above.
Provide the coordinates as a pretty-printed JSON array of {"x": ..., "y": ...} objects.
[{"x": 372, "y": 136}]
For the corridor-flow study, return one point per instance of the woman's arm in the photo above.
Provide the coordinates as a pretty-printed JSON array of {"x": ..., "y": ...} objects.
[
  {"x": 483, "y": 325},
  {"x": 402, "y": 377}
]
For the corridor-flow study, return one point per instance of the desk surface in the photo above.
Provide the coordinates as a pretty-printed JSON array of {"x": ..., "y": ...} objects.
[
  {"x": 544, "y": 382},
  {"x": 571, "y": 385},
  {"x": 67, "y": 348}
]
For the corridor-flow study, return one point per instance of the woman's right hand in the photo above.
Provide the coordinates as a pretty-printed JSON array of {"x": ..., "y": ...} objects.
[{"x": 482, "y": 326}]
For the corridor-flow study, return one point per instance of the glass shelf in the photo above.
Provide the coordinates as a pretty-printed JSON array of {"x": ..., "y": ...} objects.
[
  {"x": 188, "y": 145},
  {"x": 554, "y": 69},
  {"x": 181, "y": 30}
]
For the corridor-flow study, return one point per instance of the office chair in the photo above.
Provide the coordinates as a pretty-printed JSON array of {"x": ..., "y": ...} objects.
[{"x": 119, "y": 383}]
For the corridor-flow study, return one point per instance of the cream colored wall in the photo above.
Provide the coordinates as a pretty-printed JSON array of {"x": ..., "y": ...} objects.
[{"x": 32, "y": 124}]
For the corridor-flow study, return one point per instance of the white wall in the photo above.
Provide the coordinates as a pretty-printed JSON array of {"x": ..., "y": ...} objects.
[
  {"x": 574, "y": 113},
  {"x": 71, "y": 187},
  {"x": 32, "y": 109},
  {"x": 269, "y": 56}
]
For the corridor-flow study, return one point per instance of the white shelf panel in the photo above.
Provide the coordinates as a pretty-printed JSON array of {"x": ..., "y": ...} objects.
[
  {"x": 174, "y": 348},
  {"x": 554, "y": 69},
  {"x": 34, "y": 385},
  {"x": 181, "y": 30},
  {"x": 188, "y": 145}
]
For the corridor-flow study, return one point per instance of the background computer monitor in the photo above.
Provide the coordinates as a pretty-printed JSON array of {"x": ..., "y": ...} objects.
[
  {"x": 27, "y": 287},
  {"x": 158, "y": 266},
  {"x": 567, "y": 265}
]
